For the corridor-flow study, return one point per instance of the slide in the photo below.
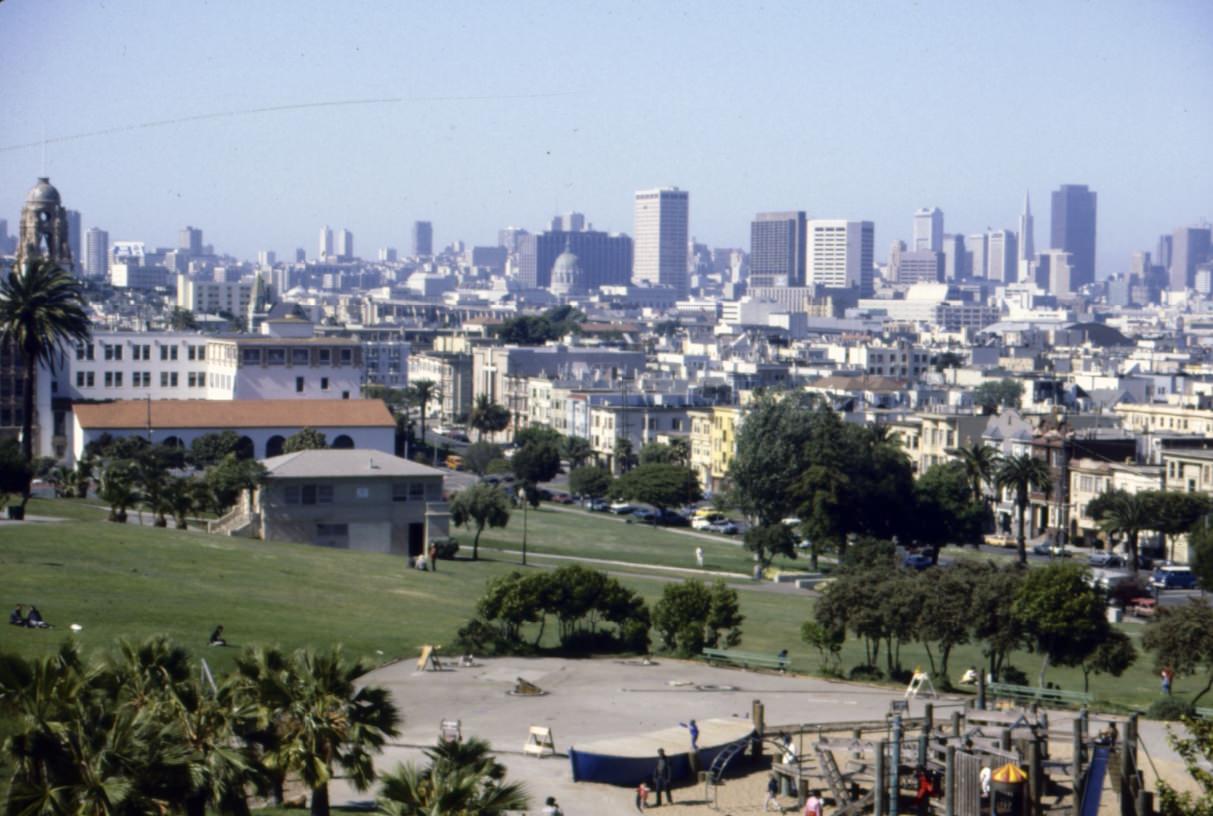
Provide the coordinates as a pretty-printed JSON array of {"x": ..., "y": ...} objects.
[{"x": 1093, "y": 788}]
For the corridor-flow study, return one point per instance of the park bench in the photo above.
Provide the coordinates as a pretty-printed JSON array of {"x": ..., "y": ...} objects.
[
  {"x": 1034, "y": 694},
  {"x": 745, "y": 659},
  {"x": 1203, "y": 713}
]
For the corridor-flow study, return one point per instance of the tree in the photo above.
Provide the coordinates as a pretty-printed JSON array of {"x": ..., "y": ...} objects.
[
  {"x": 593, "y": 481},
  {"x": 659, "y": 485},
  {"x": 460, "y": 778},
  {"x": 306, "y": 439},
  {"x": 828, "y": 643},
  {"x": 691, "y": 616},
  {"x": 944, "y": 617},
  {"x": 1176, "y": 513},
  {"x": 576, "y": 450},
  {"x": 1200, "y": 551},
  {"x": 118, "y": 490},
  {"x": 182, "y": 496},
  {"x": 535, "y": 462},
  {"x": 1063, "y": 617},
  {"x": 226, "y": 481},
  {"x": 946, "y": 360},
  {"x": 15, "y": 471},
  {"x": 946, "y": 512},
  {"x": 182, "y": 320},
  {"x": 676, "y": 453},
  {"x": 1125, "y": 514},
  {"x": 488, "y": 417},
  {"x": 771, "y": 456},
  {"x": 151, "y": 471},
  {"x": 1113, "y": 657},
  {"x": 992, "y": 611},
  {"x": 537, "y": 434},
  {"x": 1181, "y": 637},
  {"x": 1022, "y": 473},
  {"x": 481, "y": 505},
  {"x": 625, "y": 456},
  {"x": 421, "y": 393},
  {"x": 1196, "y": 750},
  {"x": 980, "y": 462},
  {"x": 992, "y": 395},
  {"x": 771, "y": 540},
  {"x": 211, "y": 448},
  {"x": 41, "y": 310},
  {"x": 478, "y": 455}
]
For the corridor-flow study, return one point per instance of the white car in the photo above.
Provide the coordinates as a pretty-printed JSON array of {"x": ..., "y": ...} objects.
[{"x": 704, "y": 522}]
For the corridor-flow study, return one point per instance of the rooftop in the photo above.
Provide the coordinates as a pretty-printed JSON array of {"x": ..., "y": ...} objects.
[
  {"x": 234, "y": 414},
  {"x": 343, "y": 464}
]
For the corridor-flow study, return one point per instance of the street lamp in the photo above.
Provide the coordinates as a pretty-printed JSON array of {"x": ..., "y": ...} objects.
[{"x": 522, "y": 497}]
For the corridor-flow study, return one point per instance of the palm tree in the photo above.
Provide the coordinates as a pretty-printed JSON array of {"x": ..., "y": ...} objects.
[
  {"x": 41, "y": 309},
  {"x": 262, "y": 685},
  {"x": 1127, "y": 514},
  {"x": 181, "y": 497},
  {"x": 577, "y": 450},
  {"x": 118, "y": 490},
  {"x": 488, "y": 416},
  {"x": 980, "y": 463},
  {"x": 330, "y": 720},
  {"x": 1022, "y": 473},
  {"x": 461, "y": 778},
  {"x": 422, "y": 392}
]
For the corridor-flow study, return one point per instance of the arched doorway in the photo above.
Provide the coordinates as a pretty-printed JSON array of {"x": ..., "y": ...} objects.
[
  {"x": 273, "y": 446},
  {"x": 343, "y": 442},
  {"x": 245, "y": 448},
  {"x": 173, "y": 442}
]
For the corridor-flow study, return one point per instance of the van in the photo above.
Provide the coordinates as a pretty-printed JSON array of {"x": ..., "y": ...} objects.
[{"x": 1173, "y": 578}]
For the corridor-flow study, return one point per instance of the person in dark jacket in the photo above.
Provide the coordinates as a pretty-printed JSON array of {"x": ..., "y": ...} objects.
[{"x": 661, "y": 778}]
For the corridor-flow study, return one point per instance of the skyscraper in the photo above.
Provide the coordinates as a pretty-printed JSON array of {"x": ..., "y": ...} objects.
[
  {"x": 345, "y": 244},
  {"x": 660, "y": 243},
  {"x": 954, "y": 258},
  {"x": 1190, "y": 247},
  {"x": 572, "y": 222},
  {"x": 920, "y": 266},
  {"x": 778, "y": 242},
  {"x": 1027, "y": 228},
  {"x": 840, "y": 254},
  {"x": 928, "y": 230},
  {"x": 189, "y": 241},
  {"x": 1055, "y": 271},
  {"x": 604, "y": 259},
  {"x": 326, "y": 244},
  {"x": 423, "y": 239},
  {"x": 96, "y": 253},
  {"x": 977, "y": 255},
  {"x": 1002, "y": 263},
  {"x": 73, "y": 241},
  {"x": 1073, "y": 230}
]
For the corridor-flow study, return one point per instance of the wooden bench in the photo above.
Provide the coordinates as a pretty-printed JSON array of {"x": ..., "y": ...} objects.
[
  {"x": 1034, "y": 694},
  {"x": 745, "y": 659}
]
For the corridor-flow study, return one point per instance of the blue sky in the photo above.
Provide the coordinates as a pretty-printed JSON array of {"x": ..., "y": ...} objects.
[{"x": 515, "y": 111}]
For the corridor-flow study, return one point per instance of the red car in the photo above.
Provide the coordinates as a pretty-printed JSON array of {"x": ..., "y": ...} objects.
[{"x": 1142, "y": 607}]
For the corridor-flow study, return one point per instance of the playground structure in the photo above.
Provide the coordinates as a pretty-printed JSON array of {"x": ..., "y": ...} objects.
[{"x": 875, "y": 766}]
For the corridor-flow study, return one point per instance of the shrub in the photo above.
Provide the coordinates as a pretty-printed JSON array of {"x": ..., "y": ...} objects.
[
  {"x": 1014, "y": 676},
  {"x": 866, "y": 673},
  {"x": 1170, "y": 708},
  {"x": 446, "y": 548}
]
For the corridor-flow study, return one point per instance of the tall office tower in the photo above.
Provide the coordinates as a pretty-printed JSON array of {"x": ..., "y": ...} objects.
[
  {"x": 388, "y": 254},
  {"x": 603, "y": 259},
  {"x": 840, "y": 254},
  {"x": 1073, "y": 229},
  {"x": 928, "y": 230},
  {"x": 896, "y": 249},
  {"x": 345, "y": 244},
  {"x": 1055, "y": 271},
  {"x": 660, "y": 244},
  {"x": 267, "y": 257},
  {"x": 423, "y": 239},
  {"x": 300, "y": 255},
  {"x": 96, "y": 253},
  {"x": 189, "y": 241},
  {"x": 4, "y": 249},
  {"x": 1027, "y": 229},
  {"x": 73, "y": 241},
  {"x": 572, "y": 222},
  {"x": 326, "y": 244},
  {"x": 921, "y": 266},
  {"x": 954, "y": 257},
  {"x": 978, "y": 258},
  {"x": 510, "y": 238},
  {"x": 1163, "y": 256},
  {"x": 1190, "y": 247},
  {"x": 1140, "y": 266},
  {"x": 1003, "y": 257},
  {"x": 778, "y": 241}
]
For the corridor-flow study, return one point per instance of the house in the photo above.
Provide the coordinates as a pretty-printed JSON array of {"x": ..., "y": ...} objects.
[
  {"x": 356, "y": 499},
  {"x": 263, "y": 425}
]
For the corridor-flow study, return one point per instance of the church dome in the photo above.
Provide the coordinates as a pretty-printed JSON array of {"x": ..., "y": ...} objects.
[
  {"x": 43, "y": 193},
  {"x": 567, "y": 277}
]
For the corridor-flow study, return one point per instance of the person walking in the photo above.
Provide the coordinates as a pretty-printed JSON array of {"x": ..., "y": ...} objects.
[
  {"x": 1167, "y": 676},
  {"x": 642, "y": 796},
  {"x": 812, "y": 807},
  {"x": 699, "y": 557},
  {"x": 772, "y": 795},
  {"x": 661, "y": 778},
  {"x": 694, "y": 729}
]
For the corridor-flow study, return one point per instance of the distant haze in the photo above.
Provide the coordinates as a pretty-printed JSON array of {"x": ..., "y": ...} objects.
[{"x": 842, "y": 109}]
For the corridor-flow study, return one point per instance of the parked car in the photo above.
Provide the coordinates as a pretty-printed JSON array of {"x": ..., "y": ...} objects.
[
  {"x": 1043, "y": 548},
  {"x": 622, "y": 508},
  {"x": 917, "y": 561},
  {"x": 1173, "y": 577},
  {"x": 1105, "y": 559},
  {"x": 597, "y": 505},
  {"x": 645, "y": 514},
  {"x": 725, "y": 527},
  {"x": 671, "y": 518},
  {"x": 561, "y": 498},
  {"x": 703, "y": 521},
  {"x": 1142, "y": 607}
]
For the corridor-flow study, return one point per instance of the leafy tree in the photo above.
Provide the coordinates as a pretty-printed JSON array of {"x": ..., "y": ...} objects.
[
  {"x": 1182, "y": 637},
  {"x": 537, "y": 434},
  {"x": 421, "y": 393},
  {"x": 853, "y": 603},
  {"x": 828, "y": 643},
  {"x": 182, "y": 320},
  {"x": 944, "y": 616},
  {"x": 992, "y": 395},
  {"x": 1196, "y": 750},
  {"x": 41, "y": 310},
  {"x": 1175, "y": 513},
  {"x": 1022, "y": 474},
  {"x": 771, "y": 456},
  {"x": 768, "y": 541},
  {"x": 691, "y": 616},
  {"x": 592, "y": 481},
  {"x": 1126, "y": 514},
  {"x": 460, "y": 778},
  {"x": 488, "y": 417},
  {"x": 992, "y": 611},
  {"x": 211, "y": 448},
  {"x": 118, "y": 489},
  {"x": 659, "y": 485},
  {"x": 231, "y": 477},
  {"x": 1200, "y": 551},
  {"x": 151, "y": 471},
  {"x": 1063, "y": 617},
  {"x": 481, "y": 505},
  {"x": 478, "y": 455},
  {"x": 625, "y": 456},
  {"x": 15, "y": 472},
  {"x": 306, "y": 439},
  {"x": 535, "y": 462},
  {"x": 946, "y": 360},
  {"x": 181, "y": 497},
  {"x": 1113, "y": 657},
  {"x": 577, "y": 450},
  {"x": 946, "y": 511},
  {"x": 676, "y": 453}
]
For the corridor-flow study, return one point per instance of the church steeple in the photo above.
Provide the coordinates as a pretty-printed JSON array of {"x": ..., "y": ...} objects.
[{"x": 1027, "y": 246}]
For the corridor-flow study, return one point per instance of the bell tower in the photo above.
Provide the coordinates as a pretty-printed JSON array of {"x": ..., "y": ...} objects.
[{"x": 44, "y": 230}]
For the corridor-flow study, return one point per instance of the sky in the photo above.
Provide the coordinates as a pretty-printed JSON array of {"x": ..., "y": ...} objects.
[{"x": 508, "y": 113}]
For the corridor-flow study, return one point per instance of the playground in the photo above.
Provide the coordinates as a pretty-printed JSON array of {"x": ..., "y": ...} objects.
[{"x": 850, "y": 740}]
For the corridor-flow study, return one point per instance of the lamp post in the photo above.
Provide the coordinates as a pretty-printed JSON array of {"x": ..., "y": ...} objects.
[{"x": 522, "y": 496}]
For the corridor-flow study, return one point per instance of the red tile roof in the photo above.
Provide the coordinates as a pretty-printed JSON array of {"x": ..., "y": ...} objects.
[{"x": 235, "y": 414}]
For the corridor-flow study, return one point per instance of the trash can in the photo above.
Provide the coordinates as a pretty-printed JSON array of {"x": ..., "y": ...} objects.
[
  {"x": 1115, "y": 614},
  {"x": 1009, "y": 791}
]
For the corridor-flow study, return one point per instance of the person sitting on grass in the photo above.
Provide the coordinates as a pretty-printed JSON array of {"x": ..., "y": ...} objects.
[
  {"x": 217, "y": 636},
  {"x": 17, "y": 616},
  {"x": 34, "y": 619}
]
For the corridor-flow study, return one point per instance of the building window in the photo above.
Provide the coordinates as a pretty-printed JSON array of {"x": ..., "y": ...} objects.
[
  {"x": 416, "y": 490},
  {"x": 347, "y": 356},
  {"x": 324, "y": 383},
  {"x": 324, "y": 356},
  {"x": 345, "y": 394},
  {"x": 172, "y": 379},
  {"x": 316, "y": 494},
  {"x": 117, "y": 379},
  {"x": 298, "y": 385},
  {"x": 400, "y": 491},
  {"x": 275, "y": 356},
  {"x": 84, "y": 351},
  {"x": 299, "y": 356},
  {"x": 113, "y": 351},
  {"x": 251, "y": 356},
  {"x": 79, "y": 379}
]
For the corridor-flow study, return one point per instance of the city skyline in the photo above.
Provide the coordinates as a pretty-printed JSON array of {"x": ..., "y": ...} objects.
[{"x": 587, "y": 138}]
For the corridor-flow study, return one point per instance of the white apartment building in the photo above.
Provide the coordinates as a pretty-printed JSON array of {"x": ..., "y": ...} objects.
[
  {"x": 660, "y": 243},
  {"x": 127, "y": 275},
  {"x": 840, "y": 254},
  {"x": 213, "y": 297}
]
